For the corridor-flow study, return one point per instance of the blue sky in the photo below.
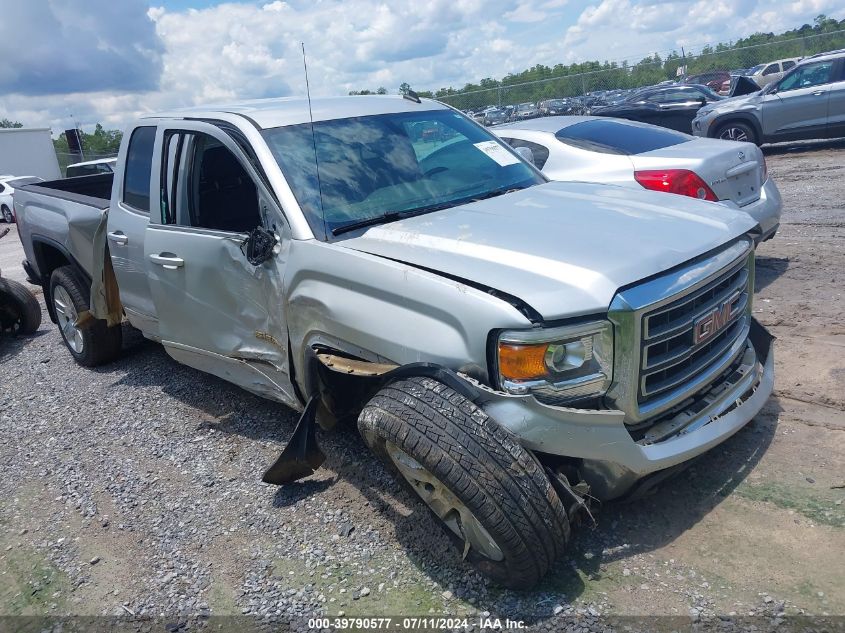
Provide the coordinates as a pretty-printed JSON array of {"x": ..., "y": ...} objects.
[{"x": 107, "y": 61}]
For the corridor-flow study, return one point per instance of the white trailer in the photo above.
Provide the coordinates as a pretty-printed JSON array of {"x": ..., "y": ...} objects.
[{"x": 28, "y": 152}]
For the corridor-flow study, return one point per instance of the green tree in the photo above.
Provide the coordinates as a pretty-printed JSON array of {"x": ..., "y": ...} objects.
[
  {"x": 404, "y": 88},
  {"x": 6, "y": 123}
]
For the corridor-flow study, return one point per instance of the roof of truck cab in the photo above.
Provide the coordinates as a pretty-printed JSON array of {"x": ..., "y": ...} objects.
[{"x": 270, "y": 113}]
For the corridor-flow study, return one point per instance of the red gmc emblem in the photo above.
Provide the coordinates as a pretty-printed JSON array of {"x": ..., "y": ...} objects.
[{"x": 707, "y": 326}]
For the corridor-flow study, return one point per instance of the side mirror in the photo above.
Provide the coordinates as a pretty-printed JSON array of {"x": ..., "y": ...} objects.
[
  {"x": 259, "y": 246},
  {"x": 526, "y": 153}
]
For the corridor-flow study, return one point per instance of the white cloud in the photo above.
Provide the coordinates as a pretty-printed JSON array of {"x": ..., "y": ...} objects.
[{"x": 137, "y": 59}]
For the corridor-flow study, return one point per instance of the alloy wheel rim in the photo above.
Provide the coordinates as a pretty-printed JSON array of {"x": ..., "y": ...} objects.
[
  {"x": 7, "y": 215},
  {"x": 457, "y": 517},
  {"x": 67, "y": 316},
  {"x": 734, "y": 134}
]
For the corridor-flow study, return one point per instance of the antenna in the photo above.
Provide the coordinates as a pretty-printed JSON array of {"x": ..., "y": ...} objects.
[{"x": 314, "y": 140}]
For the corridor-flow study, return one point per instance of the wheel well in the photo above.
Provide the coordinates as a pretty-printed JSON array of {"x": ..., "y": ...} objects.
[{"x": 49, "y": 257}]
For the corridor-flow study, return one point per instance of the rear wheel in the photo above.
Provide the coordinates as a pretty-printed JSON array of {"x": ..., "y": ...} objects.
[
  {"x": 20, "y": 312},
  {"x": 490, "y": 493},
  {"x": 93, "y": 343},
  {"x": 738, "y": 131},
  {"x": 7, "y": 214}
]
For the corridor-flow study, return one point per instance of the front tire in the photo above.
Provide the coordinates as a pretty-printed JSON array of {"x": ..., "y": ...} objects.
[
  {"x": 490, "y": 492},
  {"x": 20, "y": 312},
  {"x": 93, "y": 343},
  {"x": 737, "y": 131},
  {"x": 8, "y": 217}
]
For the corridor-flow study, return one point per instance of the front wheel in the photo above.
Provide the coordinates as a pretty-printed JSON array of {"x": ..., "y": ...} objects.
[
  {"x": 738, "y": 131},
  {"x": 490, "y": 493},
  {"x": 7, "y": 214}
]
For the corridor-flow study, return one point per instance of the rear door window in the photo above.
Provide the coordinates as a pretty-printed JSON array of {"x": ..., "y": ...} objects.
[
  {"x": 619, "y": 137},
  {"x": 788, "y": 65},
  {"x": 139, "y": 165}
]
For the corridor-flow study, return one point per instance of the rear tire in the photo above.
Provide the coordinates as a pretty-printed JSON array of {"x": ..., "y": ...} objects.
[
  {"x": 490, "y": 492},
  {"x": 92, "y": 344},
  {"x": 20, "y": 311},
  {"x": 7, "y": 214},
  {"x": 737, "y": 131}
]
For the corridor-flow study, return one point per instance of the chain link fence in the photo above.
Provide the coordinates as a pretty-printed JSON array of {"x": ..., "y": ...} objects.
[{"x": 594, "y": 87}]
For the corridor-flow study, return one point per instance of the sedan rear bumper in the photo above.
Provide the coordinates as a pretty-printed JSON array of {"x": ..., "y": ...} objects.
[{"x": 766, "y": 210}]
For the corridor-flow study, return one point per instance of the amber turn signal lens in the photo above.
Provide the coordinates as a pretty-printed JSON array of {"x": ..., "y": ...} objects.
[{"x": 522, "y": 362}]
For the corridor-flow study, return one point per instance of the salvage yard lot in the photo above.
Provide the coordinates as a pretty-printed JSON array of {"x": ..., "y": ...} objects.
[{"x": 135, "y": 488}]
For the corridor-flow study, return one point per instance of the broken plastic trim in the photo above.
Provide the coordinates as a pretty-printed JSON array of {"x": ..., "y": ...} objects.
[{"x": 302, "y": 454}]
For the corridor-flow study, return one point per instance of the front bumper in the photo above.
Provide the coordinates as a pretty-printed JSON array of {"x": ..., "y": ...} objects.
[{"x": 612, "y": 460}]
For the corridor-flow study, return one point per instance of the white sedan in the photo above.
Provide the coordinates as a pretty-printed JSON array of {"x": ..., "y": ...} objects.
[
  {"x": 7, "y": 188},
  {"x": 631, "y": 154}
]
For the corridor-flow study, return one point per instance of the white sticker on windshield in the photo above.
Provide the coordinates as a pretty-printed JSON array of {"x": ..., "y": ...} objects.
[{"x": 498, "y": 153}]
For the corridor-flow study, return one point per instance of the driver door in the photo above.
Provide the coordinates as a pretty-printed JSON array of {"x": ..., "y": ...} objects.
[
  {"x": 797, "y": 109},
  {"x": 217, "y": 312}
]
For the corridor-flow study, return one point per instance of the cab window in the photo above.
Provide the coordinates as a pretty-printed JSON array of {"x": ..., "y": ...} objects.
[
  {"x": 771, "y": 69},
  {"x": 204, "y": 185},
  {"x": 139, "y": 165}
]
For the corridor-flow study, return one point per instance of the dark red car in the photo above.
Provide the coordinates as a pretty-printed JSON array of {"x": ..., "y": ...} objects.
[{"x": 713, "y": 79}]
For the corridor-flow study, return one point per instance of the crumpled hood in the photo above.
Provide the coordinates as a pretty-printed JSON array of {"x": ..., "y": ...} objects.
[
  {"x": 740, "y": 103},
  {"x": 564, "y": 248}
]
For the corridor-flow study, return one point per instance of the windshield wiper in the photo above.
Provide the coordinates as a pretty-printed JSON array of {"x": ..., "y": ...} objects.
[
  {"x": 390, "y": 216},
  {"x": 496, "y": 192}
]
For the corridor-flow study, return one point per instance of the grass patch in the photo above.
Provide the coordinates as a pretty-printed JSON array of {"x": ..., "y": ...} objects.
[
  {"x": 28, "y": 583},
  {"x": 810, "y": 504}
]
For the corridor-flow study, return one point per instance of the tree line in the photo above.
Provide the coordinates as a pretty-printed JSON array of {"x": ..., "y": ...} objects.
[{"x": 564, "y": 80}]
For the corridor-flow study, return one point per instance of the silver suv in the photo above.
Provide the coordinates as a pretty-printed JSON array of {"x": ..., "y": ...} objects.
[{"x": 807, "y": 103}]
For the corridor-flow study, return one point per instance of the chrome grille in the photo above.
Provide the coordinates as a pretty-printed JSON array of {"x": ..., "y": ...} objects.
[
  {"x": 674, "y": 334},
  {"x": 669, "y": 355}
]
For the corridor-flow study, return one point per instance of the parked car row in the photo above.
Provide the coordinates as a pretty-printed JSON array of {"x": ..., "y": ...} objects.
[{"x": 783, "y": 100}]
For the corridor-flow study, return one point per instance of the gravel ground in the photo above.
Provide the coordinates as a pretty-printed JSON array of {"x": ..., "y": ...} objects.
[{"x": 134, "y": 489}]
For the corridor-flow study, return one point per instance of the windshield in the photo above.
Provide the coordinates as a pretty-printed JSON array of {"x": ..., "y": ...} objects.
[
  {"x": 522, "y": 107},
  {"x": 393, "y": 163},
  {"x": 756, "y": 69}
]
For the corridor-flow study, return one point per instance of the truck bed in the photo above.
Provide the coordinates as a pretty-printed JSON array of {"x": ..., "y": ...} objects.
[
  {"x": 94, "y": 191},
  {"x": 58, "y": 219}
]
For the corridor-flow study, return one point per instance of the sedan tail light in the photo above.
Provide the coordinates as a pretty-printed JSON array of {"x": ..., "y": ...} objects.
[{"x": 680, "y": 181}]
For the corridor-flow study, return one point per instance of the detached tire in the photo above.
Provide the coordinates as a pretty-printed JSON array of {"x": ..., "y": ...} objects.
[
  {"x": 19, "y": 309},
  {"x": 92, "y": 344},
  {"x": 490, "y": 492}
]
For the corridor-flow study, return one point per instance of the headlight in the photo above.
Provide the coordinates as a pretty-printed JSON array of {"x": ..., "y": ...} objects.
[{"x": 568, "y": 362}]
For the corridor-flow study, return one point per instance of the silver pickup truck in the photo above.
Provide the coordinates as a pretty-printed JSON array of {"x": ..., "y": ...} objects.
[{"x": 512, "y": 348}]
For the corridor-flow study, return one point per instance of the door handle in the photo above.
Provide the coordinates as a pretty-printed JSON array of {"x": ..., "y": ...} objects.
[
  {"x": 118, "y": 237},
  {"x": 819, "y": 93},
  {"x": 167, "y": 260}
]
